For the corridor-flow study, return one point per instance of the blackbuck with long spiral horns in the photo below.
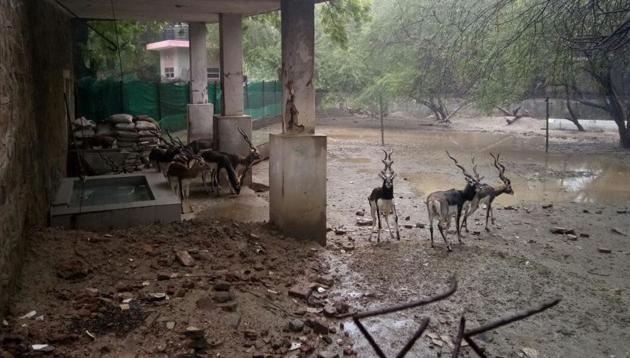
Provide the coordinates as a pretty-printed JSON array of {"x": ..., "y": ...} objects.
[
  {"x": 382, "y": 199},
  {"x": 487, "y": 193},
  {"x": 243, "y": 164},
  {"x": 443, "y": 205}
]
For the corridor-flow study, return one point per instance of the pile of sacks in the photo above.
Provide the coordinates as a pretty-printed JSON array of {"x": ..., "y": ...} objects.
[
  {"x": 83, "y": 131},
  {"x": 134, "y": 135}
]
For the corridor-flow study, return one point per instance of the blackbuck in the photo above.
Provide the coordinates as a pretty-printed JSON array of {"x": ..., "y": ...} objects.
[
  {"x": 184, "y": 168},
  {"x": 487, "y": 193},
  {"x": 443, "y": 205},
  {"x": 218, "y": 162},
  {"x": 381, "y": 200},
  {"x": 243, "y": 164},
  {"x": 162, "y": 157}
]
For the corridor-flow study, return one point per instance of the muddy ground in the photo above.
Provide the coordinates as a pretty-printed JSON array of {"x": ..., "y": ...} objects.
[{"x": 518, "y": 264}]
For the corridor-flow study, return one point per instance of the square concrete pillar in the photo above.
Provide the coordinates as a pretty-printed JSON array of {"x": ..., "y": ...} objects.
[
  {"x": 200, "y": 121},
  {"x": 231, "y": 45},
  {"x": 297, "y": 185},
  {"x": 298, "y": 61},
  {"x": 198, "y": 63}
]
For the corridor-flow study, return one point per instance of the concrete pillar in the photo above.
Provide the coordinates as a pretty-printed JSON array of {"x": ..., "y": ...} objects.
[
  {"x": 297, "y": 185},
  {"x": 298, "y": 56},
  {"x": 200, "y": 112},
  {"x": 232, "y": 100},
  {"x": 198, "y": 63},
  {"x": 297, "y": 163},
  {"x": 231, "y": 41}
]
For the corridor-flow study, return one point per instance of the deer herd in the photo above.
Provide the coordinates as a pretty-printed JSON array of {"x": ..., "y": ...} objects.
[
  {"x": 442, "y": 206},
  {"x": 181, "y": 164}
]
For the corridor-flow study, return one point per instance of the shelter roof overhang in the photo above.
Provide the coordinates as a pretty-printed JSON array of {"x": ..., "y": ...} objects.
[{"x": 166, "y": 10}]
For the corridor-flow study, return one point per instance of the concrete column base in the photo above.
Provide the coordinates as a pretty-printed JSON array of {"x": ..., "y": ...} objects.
[
  {"x": 200, "y": 121},
  {"x": 297, "y": 185},
  {"x": 230, "y": 140}
]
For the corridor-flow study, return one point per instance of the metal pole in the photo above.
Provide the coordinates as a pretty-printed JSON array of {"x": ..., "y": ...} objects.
[
  {"x": 380, "y": 105},
  {"x": 547, "y": 125},
  {"x": 263, "y": 97}
]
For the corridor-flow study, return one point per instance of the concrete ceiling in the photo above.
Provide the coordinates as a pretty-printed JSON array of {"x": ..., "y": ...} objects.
[{"x": 166, "y": 10}]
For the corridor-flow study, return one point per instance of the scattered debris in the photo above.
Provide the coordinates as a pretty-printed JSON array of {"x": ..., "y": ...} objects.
[
  {"x": 529, "y": 352},
  {"x": 29, "y": 315},
  {"x": 184, "y": 258},
  {"x": 300, "y": 290},
  {"x": 42, "y": 348},
  {"x": 364, "y": 222},
  {"x": 562, "y": 230},
  {"x": 90, "y": 334},
  {"x": 617, "y": 231}
]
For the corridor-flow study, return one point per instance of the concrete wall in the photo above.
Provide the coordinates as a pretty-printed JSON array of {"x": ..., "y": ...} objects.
[{"x": 35, "y": 67}]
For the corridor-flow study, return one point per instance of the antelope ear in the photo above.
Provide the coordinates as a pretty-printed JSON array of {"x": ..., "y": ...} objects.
[
  {"x": 381, "y": 175},
  {"x": 394, "y": 175}
]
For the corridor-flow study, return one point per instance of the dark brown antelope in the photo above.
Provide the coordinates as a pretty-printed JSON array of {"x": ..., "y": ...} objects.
[
  {"x": 443, "y": 205},
  {"x": 382, "y": 200},
  {"x": 487, "y": 193}
]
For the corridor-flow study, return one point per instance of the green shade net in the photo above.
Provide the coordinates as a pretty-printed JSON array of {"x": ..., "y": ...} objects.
[{"x": 166, "y": 102}]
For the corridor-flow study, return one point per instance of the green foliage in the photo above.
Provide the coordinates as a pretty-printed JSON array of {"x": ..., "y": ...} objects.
[
  {"x": 101, "y": 54},
  {"x": 337, "y": 18},
  {"x": 262, "y": 47}
]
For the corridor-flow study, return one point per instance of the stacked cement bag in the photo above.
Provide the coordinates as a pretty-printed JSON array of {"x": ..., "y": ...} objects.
[
  {"x": 83, "y": 131},
  {"x": 137, "y": 136}
]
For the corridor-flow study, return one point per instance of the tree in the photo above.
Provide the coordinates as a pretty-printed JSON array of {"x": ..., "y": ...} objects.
[
  {"x": 118, "y": 47},
  {"x": 416, "y": 44},
  {"x": 580, "y": 46},
  {"x": 335, "y": 21}
]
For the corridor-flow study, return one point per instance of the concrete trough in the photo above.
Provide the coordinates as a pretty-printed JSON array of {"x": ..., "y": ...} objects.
[{"x": 114, "y": 201}]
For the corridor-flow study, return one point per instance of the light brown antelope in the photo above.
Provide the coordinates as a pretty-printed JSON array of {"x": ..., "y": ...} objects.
[
  {"x": 443, "y": 205},
  {"x": 184, "y": 168},
  {"x": 487, "y": 193},
  {"x": 382, "y": 200}
]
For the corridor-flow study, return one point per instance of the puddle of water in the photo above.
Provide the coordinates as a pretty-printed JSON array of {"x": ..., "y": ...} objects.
[
  {"x": 558, "y": 177},
  {"x": 593, "y": 181}
]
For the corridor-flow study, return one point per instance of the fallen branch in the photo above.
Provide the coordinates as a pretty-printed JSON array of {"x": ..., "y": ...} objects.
[
  {"x": 514, "y": 114},
  {"x": 512, "y": 318}
]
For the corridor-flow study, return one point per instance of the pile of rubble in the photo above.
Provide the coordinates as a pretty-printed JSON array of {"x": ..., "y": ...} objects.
[{"x": 188, "y": 289}]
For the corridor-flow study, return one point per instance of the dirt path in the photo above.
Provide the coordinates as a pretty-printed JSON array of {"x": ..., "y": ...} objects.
[
  {"x": 114, "y": 285},
  {"x": 517, "y": 265}
]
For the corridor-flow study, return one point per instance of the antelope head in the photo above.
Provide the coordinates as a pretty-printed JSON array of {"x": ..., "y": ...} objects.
[
  {"x": 470, "y": 180},
  {"x": 388, "y": 174},
  {"x": 474, "y": 169},
  {"x": 253, "y": 155},
  {"x": 501, "y": 168}
]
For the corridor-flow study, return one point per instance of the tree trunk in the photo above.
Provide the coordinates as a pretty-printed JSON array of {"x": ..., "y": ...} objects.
[
  {"x": 624, "y": 138},
  {"x": 572, "y": 117},
  {"x": 613, "y": 104}
]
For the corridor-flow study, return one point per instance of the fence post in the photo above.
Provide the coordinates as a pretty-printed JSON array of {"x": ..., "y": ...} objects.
[
  {"x": 380, "y": 107},
  {"x": 246, "y": 96},
  {"x": 159, "y": 102},
  {"x": 547, "y": 126},
  {"x": 263, "y": 99}
]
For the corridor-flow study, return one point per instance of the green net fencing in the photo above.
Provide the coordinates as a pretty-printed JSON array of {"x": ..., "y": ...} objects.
[{"x": 166, "y": 102}]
